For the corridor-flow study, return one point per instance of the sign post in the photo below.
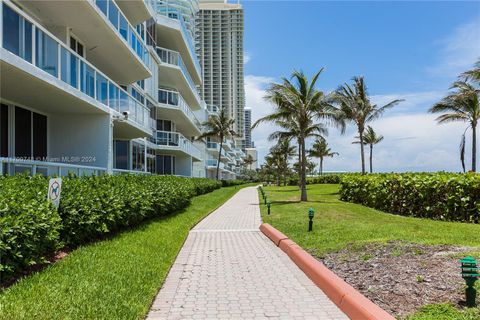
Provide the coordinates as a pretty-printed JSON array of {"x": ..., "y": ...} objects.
[{"x": 54, "y": 191}]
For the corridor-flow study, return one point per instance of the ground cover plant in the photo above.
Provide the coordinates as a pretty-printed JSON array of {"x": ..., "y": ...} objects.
[
  {"x": 348, "y": 235},
  {"x": 112, "y": 279},
  {"x": 31, "y": 229},
  {"x": 441, "y": 196}
]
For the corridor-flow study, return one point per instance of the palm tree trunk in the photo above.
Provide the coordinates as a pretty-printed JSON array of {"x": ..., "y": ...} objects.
[
  {"x": 321, "y": 166},
  {"x": 219, "y": 155},
  {"x": 362, "y": 152},
  {"x": 474, "y": 147},
  {"x": 371, "y": 158},
  {"x": 299, "y": 164},
  {"x": 303, "y": 164}
]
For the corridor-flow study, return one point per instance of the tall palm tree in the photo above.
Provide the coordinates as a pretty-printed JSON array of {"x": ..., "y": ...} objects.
[
  {"x": 371, "y": 138},
  {"x": 321, "y": 150},
  {"x": 353, "y": 105},
  {"x": 298, "y": 106},
  {"x": 218, "y": 127},
  {"x": 474, "y": 74},
  {"x": 461, "y": 105},
  {"x": 248, "y": 160},
  {"x": 286, "y": 151}
]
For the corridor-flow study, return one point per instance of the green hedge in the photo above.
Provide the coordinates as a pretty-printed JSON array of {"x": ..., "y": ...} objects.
[
  {"x": 323, "y": 179},
  {"x": 29, "y": 225},
  {"x": 229, "y": 183},
  {"x": 442, "y": 196},
  {"x": 90, "y": 207}
]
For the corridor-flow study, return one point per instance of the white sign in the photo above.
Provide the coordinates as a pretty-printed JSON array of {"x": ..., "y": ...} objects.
[{"x": 54, "y": 191}]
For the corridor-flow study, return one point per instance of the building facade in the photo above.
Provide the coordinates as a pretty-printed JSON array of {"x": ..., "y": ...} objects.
[
  {"x": 100, "y": 86},
  {"x": 219, "y": 38},
  {"x": 248, "y": 129}
]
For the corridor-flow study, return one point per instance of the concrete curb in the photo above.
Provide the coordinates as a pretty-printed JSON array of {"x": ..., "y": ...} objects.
[{"x": 355, "y": 305}]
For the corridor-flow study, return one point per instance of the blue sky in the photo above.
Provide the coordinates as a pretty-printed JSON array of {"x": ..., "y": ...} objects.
[{"x": 410, "y": 50}]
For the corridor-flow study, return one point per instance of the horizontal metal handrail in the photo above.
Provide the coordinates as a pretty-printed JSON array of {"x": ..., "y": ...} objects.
[{"x": 174, "y": 98}]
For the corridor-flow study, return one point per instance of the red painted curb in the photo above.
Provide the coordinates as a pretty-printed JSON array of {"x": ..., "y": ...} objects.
[
  {"x": 272, "y": 233},
  {"x": 355, "y": 305}
]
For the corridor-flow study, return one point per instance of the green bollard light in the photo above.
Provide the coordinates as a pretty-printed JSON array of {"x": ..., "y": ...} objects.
[
  {"x": 265, "y": 199},
  {"x": 268, "y": 206},
  {"x": 311, "y": 214},
  {"x": 470, "y": 273}
]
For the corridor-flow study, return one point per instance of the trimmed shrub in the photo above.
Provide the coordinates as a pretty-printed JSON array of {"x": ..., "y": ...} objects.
[
  {"x": 90, "y": 207},
  {"x": 230, "y": 183},
  {"x": 323, "y": 179},
  {"x": 441, "y": 196},
  {"x": 29, "y": 224}
]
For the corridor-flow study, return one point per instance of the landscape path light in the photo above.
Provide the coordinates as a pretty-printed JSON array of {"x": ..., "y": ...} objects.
[
  {"x": 470, "y": 274},
  {"x": 311, "y": 214},
  {"x": 268, "y": 206}
]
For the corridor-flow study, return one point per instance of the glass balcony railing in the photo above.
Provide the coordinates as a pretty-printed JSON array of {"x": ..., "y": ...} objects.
[
  {"x": 213, "y": 145},
  {"x": 177, "y": 141},
  {"x": 213, "y": 109},
  {"x": 175, "y": 99},
  {"x": 174, "y": 58},
  {"x": 113, "y": 14},
  {"x": 172, "y": 13},
  {"x": 214, "y": 162},
  {"x": 34, "y": 44}
]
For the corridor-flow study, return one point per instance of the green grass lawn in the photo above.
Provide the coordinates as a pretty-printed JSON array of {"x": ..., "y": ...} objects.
[
  {"x": 112, "y": 279},
  {"x": 340, "y": 224}
]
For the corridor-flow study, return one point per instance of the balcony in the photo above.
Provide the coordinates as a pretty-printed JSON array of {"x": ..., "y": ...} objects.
[
  {"x": 172, "y": 32},
  {"x": 136, "y": 11},
  {"x": 213, "y": 109},
  {"x": 212, "y": 164},
  {"x": 112, "y": 43},
  {"x": 174, "y": 74},
  {"x": 213, "y": 148},
  {"x": 176, "y": 143},
  {"x": 38, "y": 70},
  {"x": 174, "y": 108}
]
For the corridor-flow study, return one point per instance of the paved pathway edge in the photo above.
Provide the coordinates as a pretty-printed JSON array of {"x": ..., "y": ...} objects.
[{"x": 349, "y": 300}]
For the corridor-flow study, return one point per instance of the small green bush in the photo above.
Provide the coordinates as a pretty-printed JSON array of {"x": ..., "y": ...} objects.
[
  {"x": 29, "y": 224},
  {"x": 90, "y": 207},
  {"x": 323, "y": 179},
  {"x": 229, "y": 183},
  {"x": 441, "y": 196}
]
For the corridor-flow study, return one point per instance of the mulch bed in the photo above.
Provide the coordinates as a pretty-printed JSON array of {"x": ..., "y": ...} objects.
[{"x": 401, "y": 277}]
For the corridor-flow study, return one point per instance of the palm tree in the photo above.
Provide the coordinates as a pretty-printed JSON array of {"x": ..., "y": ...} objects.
[
  {"x": 321, "y": 150},
  {"x": 219, "y": 127},
  {"x": 461, "y": 105},
  {"x": 353, "y": 104},
  {"x": 474, "y": 74},
  {"x": 248, "y": 160},
  {"x": 371, "y": 138},
  {"x": 298, "y": 106},
  {"x": 286, "y": 151}
]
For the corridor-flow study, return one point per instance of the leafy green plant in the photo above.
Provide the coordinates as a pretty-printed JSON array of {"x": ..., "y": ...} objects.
[
  {"x": 441, "y": 196},
  {"x": 90, "y": 207}
]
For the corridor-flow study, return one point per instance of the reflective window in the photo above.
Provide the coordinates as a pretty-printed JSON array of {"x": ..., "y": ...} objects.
[
  {"x": 102, "y": 5},
  {"x": 113, "y": 14},
  {"x": 87, "y": 75},
  {"x": 102, "y": 89},
  {"x": 68, "y": 69},
  {"x": 123, "y": 27},
  {"x": 46, "y": 53},
  {"x": 121, "y": 154},
  {"x": 113, "y": 96},
  {"x": 17, "y": 34}
]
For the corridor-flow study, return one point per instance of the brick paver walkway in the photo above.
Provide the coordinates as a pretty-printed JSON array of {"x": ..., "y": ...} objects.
[{"x": 227, "y": 269}]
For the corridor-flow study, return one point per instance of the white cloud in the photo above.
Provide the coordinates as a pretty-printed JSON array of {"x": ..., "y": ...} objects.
[
  {"x": 458, "y": 51},
  {"x": 246, "y": 57},
  {"x": 413, "y": 140}
]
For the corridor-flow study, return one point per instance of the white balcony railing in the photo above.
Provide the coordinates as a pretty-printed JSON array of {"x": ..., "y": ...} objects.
[
  {"x": 39, "y": 47},
  {"x": 126, "y": 31},
  {"x": 175, "y": 100},
  {"x": 172, "y": 13},
  {"x": 176, "y": 141},
  {"x": 12, "y": 166},
  {"x": 174, "y": 58}
]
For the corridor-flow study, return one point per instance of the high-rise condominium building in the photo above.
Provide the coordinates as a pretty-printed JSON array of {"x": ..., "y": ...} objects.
[
  {"x": 248, "y": 129},
  {"x": 220, "y": 50},
  {"x": 101, "y": 86}
]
